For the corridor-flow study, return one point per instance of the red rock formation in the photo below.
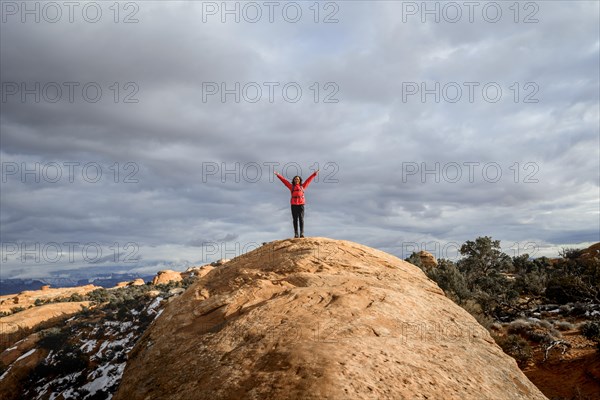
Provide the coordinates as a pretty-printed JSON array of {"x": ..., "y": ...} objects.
[
  {"x": 318, "y": 319},
  {"x": 166, "y": 276},
  {"x": 28, "y": 298},
  {"x": 427, "y": 259}
]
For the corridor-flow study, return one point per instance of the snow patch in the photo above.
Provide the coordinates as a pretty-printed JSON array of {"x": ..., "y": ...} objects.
[
  {"x": 30, "y": 352},
  {"x": 105, "y": 376},
  {"x": 155, "y": 303},
  {"x": 88, "y": 345}
]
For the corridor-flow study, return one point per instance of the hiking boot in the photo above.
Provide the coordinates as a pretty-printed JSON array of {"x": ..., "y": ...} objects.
[
  {"x": 296, "y": 234},
  {"x": 302, "y": 234}
]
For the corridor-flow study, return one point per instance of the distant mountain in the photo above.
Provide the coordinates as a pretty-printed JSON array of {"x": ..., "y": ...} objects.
[
  {"x": 14, "y": 286},
  {"x": 10, "y": 286}
]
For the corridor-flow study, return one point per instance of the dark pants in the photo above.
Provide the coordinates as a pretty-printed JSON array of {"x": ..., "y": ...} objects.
[{"x": 298, "y": 215}]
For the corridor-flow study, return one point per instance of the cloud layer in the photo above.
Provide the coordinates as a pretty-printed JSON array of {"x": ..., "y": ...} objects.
[{"x": 163, "y": 134}]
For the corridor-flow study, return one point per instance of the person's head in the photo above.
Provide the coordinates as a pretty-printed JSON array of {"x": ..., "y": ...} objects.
[{"x": 297, "y": 180}]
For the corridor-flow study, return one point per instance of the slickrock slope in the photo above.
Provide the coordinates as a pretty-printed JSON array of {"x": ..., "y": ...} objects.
[
  {"x": 27, "y": 298},
  {"x": 316, "y": 318},
  {"x": 36, "y": 315}
]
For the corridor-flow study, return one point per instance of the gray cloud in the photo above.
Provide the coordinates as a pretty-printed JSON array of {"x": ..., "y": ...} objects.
[{"x": 167, "y": 197}]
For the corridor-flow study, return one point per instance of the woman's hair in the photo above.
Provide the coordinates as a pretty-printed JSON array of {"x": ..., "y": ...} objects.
[{"x": 298, "y": 178}]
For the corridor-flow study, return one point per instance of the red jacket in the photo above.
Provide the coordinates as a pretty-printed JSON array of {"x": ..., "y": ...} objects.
[{"x": 297, "y": 190}]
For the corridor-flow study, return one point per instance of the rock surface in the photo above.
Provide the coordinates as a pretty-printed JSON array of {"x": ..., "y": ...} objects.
[
  {"x": 427, "y": 259},
  {"x": 197, "y": 272},
  {"x": 27, "y": 298},
  {"x": 166, "y": 276},
  {"x": 36, "y": 315},
  {"x": 317, "y": 318}
]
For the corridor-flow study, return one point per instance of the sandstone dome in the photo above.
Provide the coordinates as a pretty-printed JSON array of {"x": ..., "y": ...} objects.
[{"x": 317, "y": 318}]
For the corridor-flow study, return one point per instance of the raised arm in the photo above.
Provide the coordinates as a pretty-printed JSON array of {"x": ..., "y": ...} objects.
[
  {"x": 285, "y": 181},
  {"x": 309, "y": 180}
]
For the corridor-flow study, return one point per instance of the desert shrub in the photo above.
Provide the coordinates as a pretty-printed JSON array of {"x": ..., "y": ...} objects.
[
  {"x": 565, "y": 308},
  {"x": 566, "y": 288},
  {"x": 99, "y": 296},
  {"x": 534, "y": 330},
  {"x": 53, "y": 339},
  {"x": 482, "y": 259},
  {"x": 188, "y": 281},
  {"x": 570, "y": 254},
  {"x": 564, "y": 325},
  {"x": 532, "y": 275},
  {"x": 578, "y": 309},
  {"x": 535, "y": 336},
  {"x": 544, "y": 324},
  {"x": 483, "y": 267},
  {"x": 519, "y": 327},
  {"x": 144, "y": 319},
  {"x": 450, "y": 280},
  {"x": 86, "y": 311},
  {"x": 575, "y": 278},
  {"x": 474, "y": 308},
  {"x": 77, "y": 297},
  {"x": 591, "y": 330},
  {"x": 184, "y": 283},
  {"x": 530, "y": 284},
  {"x": 414, "y": 259},
  {"x": 496, "y": 326},
  {"x": 516, "y": 347},
  {"x": 115, "y": 297},
  {"x": 71, "y": 360}
]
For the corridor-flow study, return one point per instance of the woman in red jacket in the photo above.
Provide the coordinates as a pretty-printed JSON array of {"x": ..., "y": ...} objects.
[{"x": 297, "y": 201}]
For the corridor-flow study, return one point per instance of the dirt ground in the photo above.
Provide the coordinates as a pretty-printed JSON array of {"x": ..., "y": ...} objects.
[{"x": 572, "y": 375}]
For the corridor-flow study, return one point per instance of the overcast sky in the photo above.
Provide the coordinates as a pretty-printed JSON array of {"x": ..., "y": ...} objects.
[{"x": 150, "y": 130}]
